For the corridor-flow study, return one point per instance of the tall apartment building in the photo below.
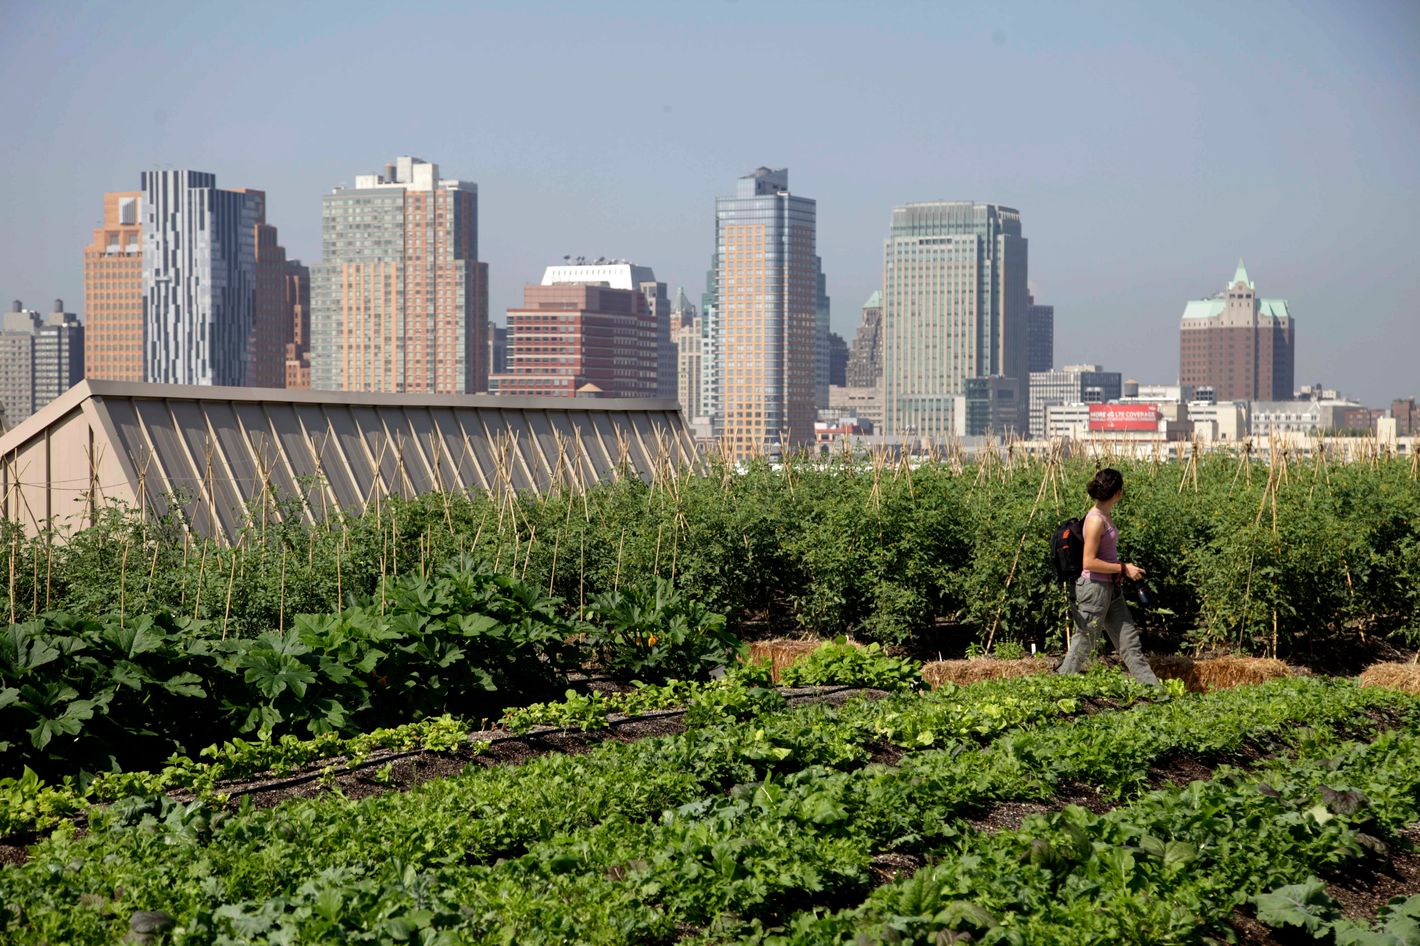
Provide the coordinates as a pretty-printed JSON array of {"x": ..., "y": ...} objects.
[
  {"x": 586, "y": 331},
  {"x": 297, "y": 301},
  {"x": 1040, "y": 336},
  {"x": 766, "y": 299},
  {"x": 1241, "y": 346},
  {"x": 41, "y": 357},
  {"x": 113, "y": 292},
  {"x": 1072, "y": 384},
  {"x": 399, "y": 300},
  {"x": 865, "y": 363},
  {"x": 954, "y": 304},
  {"x": 186, "y": 283},
  {"x": 199, "y": 279},
  {"x": 687, "y": 333},
  {"x": 710, "y": 362}
]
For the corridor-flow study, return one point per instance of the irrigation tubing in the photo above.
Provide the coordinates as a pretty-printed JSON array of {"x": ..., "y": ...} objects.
[{"x": 800, "y": 694}]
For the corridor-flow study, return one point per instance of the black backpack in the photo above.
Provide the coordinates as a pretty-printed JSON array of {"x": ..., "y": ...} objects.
[{"x": 1067, "y": 550}]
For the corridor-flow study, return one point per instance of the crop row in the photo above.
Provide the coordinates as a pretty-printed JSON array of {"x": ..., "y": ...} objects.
[
  {"x": 1169, "y": 868},
  {"x": 160, "y": 853},
  {"x": 764, "y": 849},
  {"x": 1240, "y": 554},
  {"x": 28, "y": 803},
  {"x": 785, "y": 814},
  {"x": 93, "y": 694}
]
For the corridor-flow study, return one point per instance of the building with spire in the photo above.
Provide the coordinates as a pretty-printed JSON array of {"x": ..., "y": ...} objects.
[{"x": 1239, "y": 345}]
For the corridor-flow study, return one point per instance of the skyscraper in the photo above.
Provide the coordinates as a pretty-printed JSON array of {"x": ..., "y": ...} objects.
[
  {"x": 399, "y": 301},
  {"x": 113, "y": 292},
  {"x": 199, "y": 279},
  {"x": 586, "y": 331},
  {"x": 837, "y": 360},
  {"x": 1040, "y": 336},
  {"x": 865, "y": 363},
  {"x": 823, "y": 361},
  {"x": 766, "y": 304},
  {"x": 954, "y": 299},
  {"x": 1239, "y": 345}
]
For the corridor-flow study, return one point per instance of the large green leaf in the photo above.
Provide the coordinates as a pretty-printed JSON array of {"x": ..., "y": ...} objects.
[{"x": 1306, "y": 905}]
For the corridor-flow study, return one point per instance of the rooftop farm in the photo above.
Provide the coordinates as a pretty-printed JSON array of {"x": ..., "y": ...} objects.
[{"x": 566, "y": 719}]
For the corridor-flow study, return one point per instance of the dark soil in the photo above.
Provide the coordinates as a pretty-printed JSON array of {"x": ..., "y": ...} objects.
[{"x": 1367, "y": 887}]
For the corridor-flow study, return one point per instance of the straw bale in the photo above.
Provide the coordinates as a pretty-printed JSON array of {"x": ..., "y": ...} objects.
[
  {"x": 1217, "y": 673},
  {"x": 962, "y": 672},
  {"x": 781, "y": 652},
  {"x": 1396, "y": 676}
]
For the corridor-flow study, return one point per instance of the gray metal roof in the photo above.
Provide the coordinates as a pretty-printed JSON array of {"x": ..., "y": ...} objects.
[{"x": 221, "y": 451}]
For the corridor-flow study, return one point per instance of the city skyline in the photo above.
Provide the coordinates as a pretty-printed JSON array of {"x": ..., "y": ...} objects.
[{"x": 1103, "y": 123}]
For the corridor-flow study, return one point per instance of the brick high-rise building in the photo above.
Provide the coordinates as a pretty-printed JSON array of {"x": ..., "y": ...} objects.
[
  {"x": 764, "y": 329},
  {"x": 113, "y": 292},
  {"x": 954, "y": 306},
  {"x": 399, "y": 301},
  {"x": 593, "y": 338},
  {"x": 1242, "y": 347}
]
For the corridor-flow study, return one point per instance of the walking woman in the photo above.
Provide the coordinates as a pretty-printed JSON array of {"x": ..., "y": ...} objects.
[{"x": 1099, "y": 591}]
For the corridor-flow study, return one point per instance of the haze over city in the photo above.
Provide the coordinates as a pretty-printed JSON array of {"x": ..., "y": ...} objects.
[{"x": 1147, "y": 149}]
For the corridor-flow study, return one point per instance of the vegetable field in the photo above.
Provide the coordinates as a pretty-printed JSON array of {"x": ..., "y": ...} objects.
[
  {"x": 1043, "y": 809},
  {"x": 509, "y": 719}
]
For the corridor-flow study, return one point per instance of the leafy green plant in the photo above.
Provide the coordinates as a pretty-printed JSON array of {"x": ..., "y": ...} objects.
[
  {"x": 650, "y": 631},
  {"x": 839, "y": 663}
]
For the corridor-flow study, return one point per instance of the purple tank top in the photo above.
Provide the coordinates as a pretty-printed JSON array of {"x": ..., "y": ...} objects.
[{"x": 1109, "y": 547}]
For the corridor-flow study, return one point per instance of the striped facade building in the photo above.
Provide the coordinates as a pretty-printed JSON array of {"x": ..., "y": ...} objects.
[{"x": 399, "y": 302}]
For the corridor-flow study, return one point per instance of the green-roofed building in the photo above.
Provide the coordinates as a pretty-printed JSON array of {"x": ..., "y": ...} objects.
[{"x": 1241, "y": 346}]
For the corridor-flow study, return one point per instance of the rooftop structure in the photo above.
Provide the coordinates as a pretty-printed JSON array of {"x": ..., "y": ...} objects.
[{"x": 213, "y": 454}]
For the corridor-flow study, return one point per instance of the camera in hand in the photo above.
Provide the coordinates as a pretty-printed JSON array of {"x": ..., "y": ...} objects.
[{"x": 1138, "y": 592}]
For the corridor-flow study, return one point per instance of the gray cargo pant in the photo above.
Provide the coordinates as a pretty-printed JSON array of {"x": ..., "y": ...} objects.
[{"x": 1099, "y": 606}]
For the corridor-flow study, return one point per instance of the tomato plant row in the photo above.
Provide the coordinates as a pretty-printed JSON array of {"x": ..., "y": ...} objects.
[{"x": 1241, "y": 554}]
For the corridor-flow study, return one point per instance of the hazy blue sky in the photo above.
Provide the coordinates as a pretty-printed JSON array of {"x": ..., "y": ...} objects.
[{"x": 1147, "y": 147}]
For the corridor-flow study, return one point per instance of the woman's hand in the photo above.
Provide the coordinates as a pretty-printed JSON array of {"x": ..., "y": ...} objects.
[{"x": 1133, "y": 572}]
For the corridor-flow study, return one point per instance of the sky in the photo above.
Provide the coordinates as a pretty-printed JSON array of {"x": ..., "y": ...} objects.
[{"x": 1147, "y": 147}]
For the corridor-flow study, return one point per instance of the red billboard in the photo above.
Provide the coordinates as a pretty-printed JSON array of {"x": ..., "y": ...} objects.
[{"x": 1124, "y": 417}]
